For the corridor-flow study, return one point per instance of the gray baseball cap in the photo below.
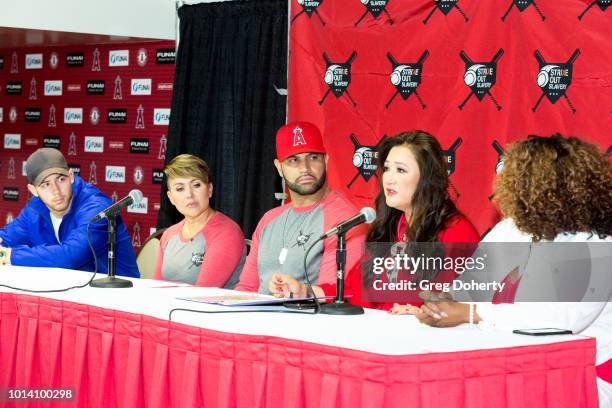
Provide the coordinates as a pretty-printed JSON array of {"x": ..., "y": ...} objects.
[{"x": 44, "y": 162}]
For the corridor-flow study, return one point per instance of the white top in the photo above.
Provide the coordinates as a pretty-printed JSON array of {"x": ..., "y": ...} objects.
[
  {"x": 56, "y": 221},
  {"x": 593, "y": 319}
]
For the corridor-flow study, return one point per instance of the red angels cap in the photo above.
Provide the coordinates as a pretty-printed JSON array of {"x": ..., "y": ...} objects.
[{"x": 298, "y": 137}]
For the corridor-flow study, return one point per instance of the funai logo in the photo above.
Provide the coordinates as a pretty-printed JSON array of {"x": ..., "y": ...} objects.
[
  {"x": 115, "y": 174},
  {"x": 141, "y": 207},
  {"x": 119, "y": 58},
  {"x": 73, "y": 115},
  {"x": 94, "y": 144},
  {"x": 33, "y": 61},
  {"x": 141, "y": 86},
  {"x": 53, "y": 88},
  {"x": 12, "y": 141},
  {"x": 161, "y": 116}
]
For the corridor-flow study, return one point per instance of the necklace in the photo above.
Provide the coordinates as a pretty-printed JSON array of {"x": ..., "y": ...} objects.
[
  {"x": 282, "y": 256},
  {"x": 188, "y": 233}
]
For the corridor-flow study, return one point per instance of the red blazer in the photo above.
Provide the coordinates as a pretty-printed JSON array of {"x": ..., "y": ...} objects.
[{"x": 457, "y": 229}]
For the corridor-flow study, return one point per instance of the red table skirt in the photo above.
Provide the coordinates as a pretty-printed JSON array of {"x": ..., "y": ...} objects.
[{"x": 118, "y": 359}]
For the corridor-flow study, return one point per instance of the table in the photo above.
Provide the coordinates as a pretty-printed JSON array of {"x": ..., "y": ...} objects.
[{"x": 116, "y": 347}]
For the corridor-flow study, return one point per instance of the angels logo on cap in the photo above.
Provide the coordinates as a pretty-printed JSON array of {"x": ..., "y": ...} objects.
[
  {"x": 338, "y": 77},
  {"x": 603, "y": 5},
  {"x": 298, "y": 137},
  {"x": 375, "y": 7},
  {"x": 365, "y": 159},
  {"x": 309, "y": 7},
  {"x": 554, "y": 78},
  {"x": 521, "y": 5},
  {"x": 445, "y": 6},
  {"x": 406, "y": 77},
  {"x": 480, "y": 77}
]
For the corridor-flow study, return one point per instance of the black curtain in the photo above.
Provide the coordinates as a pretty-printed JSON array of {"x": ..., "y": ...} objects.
[{"x": 225, "y": 108}]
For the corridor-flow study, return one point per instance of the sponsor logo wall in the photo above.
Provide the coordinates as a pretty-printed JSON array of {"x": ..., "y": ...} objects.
[
  {"x": 469, "y": 72},
  {"x": 105, "y": 107}
]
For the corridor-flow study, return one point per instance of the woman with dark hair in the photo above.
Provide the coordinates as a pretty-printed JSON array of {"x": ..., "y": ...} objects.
[
  {"x": 413, "y": 205},
  {"x": 556, "y": 189}
]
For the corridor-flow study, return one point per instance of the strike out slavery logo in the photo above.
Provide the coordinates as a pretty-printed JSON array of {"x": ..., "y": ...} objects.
[
  {"x": 521, "y": 5},
  {"x": 309, "y": 7},
  {"x": 603, "y": 5},
  {"x": 445, "y": 6},
  {"x": 554, "y": 78},
  {"x": 374, "y": 7},
  {"x": 406, "y": 77},
  {"x": 338, "y": 77},
  {"x": 480, "y": 77},
  {"x": 500, "y": 163},
  {"x": 451, "y": 155},
  {"x": 364, "y": 159}
]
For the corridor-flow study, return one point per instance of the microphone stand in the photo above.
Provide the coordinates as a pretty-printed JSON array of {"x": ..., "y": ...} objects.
[
  {"x": 340, "y": 306},
  {"x": 111, "y": 281}
]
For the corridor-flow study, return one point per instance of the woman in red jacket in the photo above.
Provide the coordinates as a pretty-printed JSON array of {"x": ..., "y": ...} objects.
[{"x": 413, "y": 205}]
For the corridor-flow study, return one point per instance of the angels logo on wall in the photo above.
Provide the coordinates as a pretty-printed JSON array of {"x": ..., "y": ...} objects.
[
  {"x": 309, "y": 7},
  {"x": 93, "y": 177},
  {"x": 95, "y": 65},
  {"x": 338, "y": 77},
  {"x": 375, "y": 8},
  {"x": 445, "y": 6},
  {"x": 33, "y": 94},
  {"x": 52, "y": 122},
  {"x": 521, "y": 5},
  {"x": 136, "y": 236},
  {"x": 14, "y": 63}
]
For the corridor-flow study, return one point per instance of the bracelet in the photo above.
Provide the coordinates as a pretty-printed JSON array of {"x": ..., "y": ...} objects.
[{"x": 472, "y": 306}]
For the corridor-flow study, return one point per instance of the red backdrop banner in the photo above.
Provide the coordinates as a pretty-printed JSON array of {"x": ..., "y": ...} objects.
[
  {"x": 106, "y": 107},
  {"x": 476, "y": 74}
]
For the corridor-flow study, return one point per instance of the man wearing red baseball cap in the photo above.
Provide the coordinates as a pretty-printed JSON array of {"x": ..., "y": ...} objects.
[{"x": 285, "y": 233}]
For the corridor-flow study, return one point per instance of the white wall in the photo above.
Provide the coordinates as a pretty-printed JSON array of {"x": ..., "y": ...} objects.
[{"x": 131, "y": 18}]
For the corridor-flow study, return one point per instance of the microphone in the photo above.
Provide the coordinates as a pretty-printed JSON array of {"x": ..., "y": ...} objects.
[
  {"x": 366, "y": 215},
  {"x": 134, "y": 197}
]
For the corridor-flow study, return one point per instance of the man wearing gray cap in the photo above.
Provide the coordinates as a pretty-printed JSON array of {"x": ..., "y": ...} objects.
[{"x": 51, "y": 230}]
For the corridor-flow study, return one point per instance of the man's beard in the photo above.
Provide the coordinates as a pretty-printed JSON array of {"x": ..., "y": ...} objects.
[{"x": 307, "y": 189}]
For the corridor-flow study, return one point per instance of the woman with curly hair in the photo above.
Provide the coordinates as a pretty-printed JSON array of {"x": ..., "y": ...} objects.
[
  {"x": 555, "y": 189},
  {"x": 413, "y": 205}
]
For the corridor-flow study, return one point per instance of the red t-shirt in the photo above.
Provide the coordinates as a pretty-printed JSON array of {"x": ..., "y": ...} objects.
[{"x": 457, "y": 229}]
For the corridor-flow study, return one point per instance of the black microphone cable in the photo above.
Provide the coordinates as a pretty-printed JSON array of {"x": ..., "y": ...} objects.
[{"x": 91, "y": 248}]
